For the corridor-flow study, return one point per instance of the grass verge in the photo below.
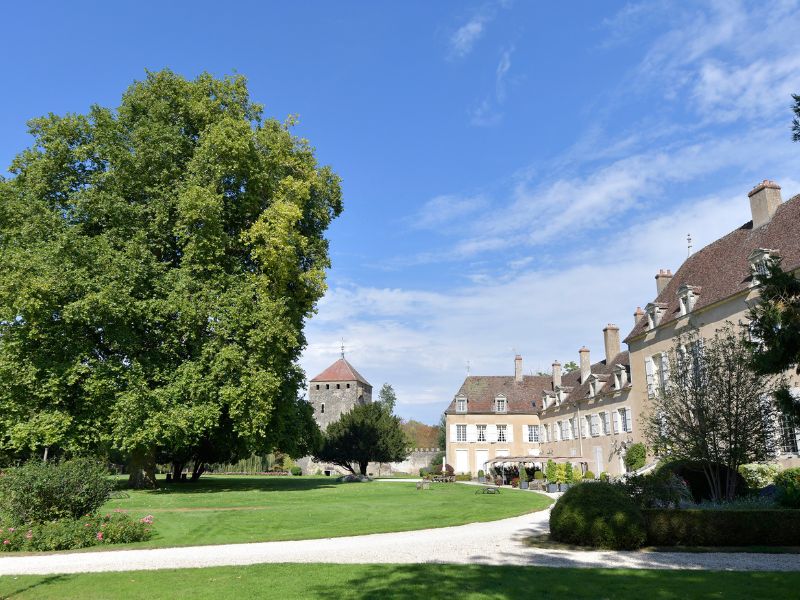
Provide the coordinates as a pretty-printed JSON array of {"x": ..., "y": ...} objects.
[{"x": 383, "y": 582}]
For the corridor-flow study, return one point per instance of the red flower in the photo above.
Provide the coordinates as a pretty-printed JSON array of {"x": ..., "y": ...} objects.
[{"x": 100, "y": 535}]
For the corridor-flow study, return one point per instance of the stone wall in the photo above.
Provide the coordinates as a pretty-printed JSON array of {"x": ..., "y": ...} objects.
[{"x": 331, "y": 399}]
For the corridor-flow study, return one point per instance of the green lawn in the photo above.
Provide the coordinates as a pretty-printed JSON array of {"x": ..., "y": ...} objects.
[
  {"x": 426, "y": 581},
  {"x": 229, "y": 509}
]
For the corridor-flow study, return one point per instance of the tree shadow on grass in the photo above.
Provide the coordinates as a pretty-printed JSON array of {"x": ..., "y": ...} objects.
[
  {"x": 382, "y": 582},
  {"x": 242, "y": 484},
  {"x": 41, "y": 582}
]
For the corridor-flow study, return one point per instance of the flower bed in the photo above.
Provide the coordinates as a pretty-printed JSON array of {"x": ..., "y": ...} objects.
[
  {"x": 70, "y": 534},
  {"x": 693, "y": 527}
]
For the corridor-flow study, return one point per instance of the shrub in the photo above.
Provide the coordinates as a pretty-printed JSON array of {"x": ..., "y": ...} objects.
[
  {"x": 296, "y": 471},
  {"x": 464, "y": 477},
  {"x": 38, "y": 492},
  {"x": 515, "y": 482},
  {"x": 603, "y": 476},
  {"x": 481, "y": 473},
  {"x": 449, "y": 471},
  {"x": 523, "y": 474},
  {"x": 561, "y": 473},
  {"x": 70, "y": 534},
  {"x": 761, "y": 527},
  {"x": 635, "y": 456},
  {"x": 788, "y": 484},
  {"x": 538, "y": 475},
  {"x": 551, "y": 471},
  {"x": 693, "y": 474},
  {"x": 597, "y": 514},
  {"x": 588, "y": 475},
  {"x": 759, "y": 475},
  {"x": 662, "y": 489}
]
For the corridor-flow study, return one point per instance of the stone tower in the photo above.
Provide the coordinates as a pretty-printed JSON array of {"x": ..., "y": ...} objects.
[{"x": 337, "y": 390}]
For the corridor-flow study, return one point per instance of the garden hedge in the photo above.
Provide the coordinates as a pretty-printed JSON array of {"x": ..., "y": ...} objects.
[
  {"x": 694, "y": 527},
  {"x": 597, "y": 514}
]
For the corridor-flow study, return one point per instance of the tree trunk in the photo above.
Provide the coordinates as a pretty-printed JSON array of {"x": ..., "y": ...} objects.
[
  {"x": 142, "y": 466},
  {"x": 177, "y": 469},
  {"x": 362, "y": 466},
  {"x": 199, "y": 469}
]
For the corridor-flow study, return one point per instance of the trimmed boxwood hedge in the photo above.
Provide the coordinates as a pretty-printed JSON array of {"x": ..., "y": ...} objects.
[
  {"x": 693, "y": 527},
  {"x": 597, "y": 514}
]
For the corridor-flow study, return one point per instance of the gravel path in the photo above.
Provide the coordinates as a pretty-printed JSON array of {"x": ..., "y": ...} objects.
[{"x": 495, "y": 543}]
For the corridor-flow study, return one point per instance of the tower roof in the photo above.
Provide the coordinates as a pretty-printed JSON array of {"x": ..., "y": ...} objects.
[{"x": 341, "y": 370}]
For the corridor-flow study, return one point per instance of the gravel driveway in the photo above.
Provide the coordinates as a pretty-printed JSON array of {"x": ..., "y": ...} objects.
[{"x": 495, "y": 543}]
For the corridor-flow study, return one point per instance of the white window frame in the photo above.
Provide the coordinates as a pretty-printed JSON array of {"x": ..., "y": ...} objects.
[
  {"x": 481, "y": 433},
  {"x": 605, "y": 417},
  {"x": 533, "y": 434},
  {"x": 500, "y": 405},
  {"x": 502, "y": 431},
  {"x": 461, "y": 433},
  {"x": 461, "y": 405}
]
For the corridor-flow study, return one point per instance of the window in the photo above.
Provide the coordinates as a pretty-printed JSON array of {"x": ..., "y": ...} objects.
[
  {"x": 687, "y": 297},
  {"x": 605, "y": 418},
  {"x": 657, "y": 369},
  {"x": 760, "y": 260},
  {"x": 789, "y": 436},
  {"x": 322, "y": 408},
  {"x": 501, "y": 433},
  {"x": 317, "y": 386},
  {"x": 625, "y": 419},
  {"x": 461, "y": 433},
  {"x": 533, "y": 433},
  {"x": 620, "y": 377},
  {"x": 564, "y": 430},
  {"x": 348, "y": 386},
  {"x": 573, "y": 424},
  {"x": 327, "y": 386},
  {"x": 545, "y": 433},
  {"x": 481, "y": 433},
  {"x": 500, "y": 405},
  {"x": 338, "y": 386},
  {"x": 594, "y": 424},
  {"x": 461, "y": 405}
]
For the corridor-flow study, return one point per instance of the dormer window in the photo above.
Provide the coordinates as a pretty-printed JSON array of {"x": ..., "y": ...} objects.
[
  {"x": 654, "y": 312},
  {"x": 560, "y": 396},
  {"x": 461, "y": 404},
  {"x": 760, "y": 260},
  {"x": 500, "y": 404},
  {"x": 620, "y": 377},
  {"x": 594, "y": 386},
  {"x": 687, "y": 296}
]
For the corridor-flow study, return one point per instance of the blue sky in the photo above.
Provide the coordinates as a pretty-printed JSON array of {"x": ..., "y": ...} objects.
[{"x": 514, "y": 173}]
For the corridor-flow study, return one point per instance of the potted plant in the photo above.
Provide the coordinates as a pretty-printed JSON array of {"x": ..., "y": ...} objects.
[
  {"x": 481, "y": 476},
  {"x": 588, "y": 475},
  {"x": 551, "y": 473},
  {"x": 523, "y": 477},
  {"x": 561, "y": 477}
]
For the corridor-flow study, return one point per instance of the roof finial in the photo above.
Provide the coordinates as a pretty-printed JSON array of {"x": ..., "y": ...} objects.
[
  {"x": 467, "y": 368},
  {"x": 342, "y": 347},
  {"x": 689, "y": 241}
]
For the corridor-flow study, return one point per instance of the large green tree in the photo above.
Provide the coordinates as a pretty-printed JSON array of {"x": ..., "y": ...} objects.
[
  {"x": 367, "y": 433},
  {"x": 775, "y": 329},
  {"x": 158, "y": 262}
]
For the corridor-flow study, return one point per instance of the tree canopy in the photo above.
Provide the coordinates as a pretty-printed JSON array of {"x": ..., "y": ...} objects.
[
  {"x": 796, "y": 120},
  {"x": 775, "y": 332},
  {"x": 367, "y": 433},
  {"x": 714, "y": 409},
  {"x": 387, "y": 397},
  {"x": 159, "y": 261}
]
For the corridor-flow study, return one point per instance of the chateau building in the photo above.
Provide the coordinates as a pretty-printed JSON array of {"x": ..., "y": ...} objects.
[
  {"x": 591, "y": 415},
  {"x": 337, "y": 390}
]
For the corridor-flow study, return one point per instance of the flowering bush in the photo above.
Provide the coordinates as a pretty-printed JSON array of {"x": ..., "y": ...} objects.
[
  {"x": 759, "y": 475},
  {"x": 69, "y": 534}
]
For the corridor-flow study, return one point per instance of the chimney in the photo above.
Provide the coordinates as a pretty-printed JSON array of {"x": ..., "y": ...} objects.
[
  {"x": 765, "y": 199},
  {"x": 611, "y": 339},
  {"x": 637, "y": 316},
  {"x": 662, "y": 280},
  {"x": 518, "y": 368},
  {"x": 556, "y": 374},
  {"x": 586, "y": 365}
]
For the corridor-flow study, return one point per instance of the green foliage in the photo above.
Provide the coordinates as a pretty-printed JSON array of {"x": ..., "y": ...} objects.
[
  {"x": 599, "y": 515},
  {"x": 387, "y": 397},
  {"x": 796, "y": 119},
  {"x": 551, "y": 471},
  {"x": 296, "y": 471},
  {"x": 788, "y": 484},
  {"x": 775, "y": 325},
  {"x": 523, "y": 474},
  {"x": 569, "y": 473},
  {"x": 561, "y": 473},
  {"x": 464, "y": 477},
  {"x": 570, "y": 366},
  {"x": 481, "y": 473},
  {"x": 369, "y": 432},
  {"x": 759, "y": 475},
  {"x": 70, "y": 534},
  {"x": 764, "y": 527},
  {"x": 603, "y": 476},
  {"x": 159, "y": 262},
  {"x": 37, "y": 492},
  {"x": 635, "y": 456},
  {"x": 538, "y": 475},
  {"x": 442, "y": 433},
  {"x": 657, "y": 490},
  {"x": 588, "y": 475}
]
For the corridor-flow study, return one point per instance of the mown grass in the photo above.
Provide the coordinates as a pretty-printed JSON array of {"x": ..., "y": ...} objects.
[
  {"x": 229, "y": 509},
  {"x": 382, "y": 582}
]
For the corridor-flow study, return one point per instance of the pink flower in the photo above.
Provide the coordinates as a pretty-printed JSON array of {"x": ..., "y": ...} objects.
[
  {"x": 29, "y": 535},
  {"x": 100, "y": 535},
  {"x": 148, "y": 520},
  {"x": 87, "y": 525},
  {"x": 10, "y": 530},
  {"x": 6, "y": 542}
]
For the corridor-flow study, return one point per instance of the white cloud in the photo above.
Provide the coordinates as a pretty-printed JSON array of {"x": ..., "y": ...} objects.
[
  {"x": 464, "y": 38},
  {"x": 500, "y": 75},
  {"x": 442, "y": 211}
]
